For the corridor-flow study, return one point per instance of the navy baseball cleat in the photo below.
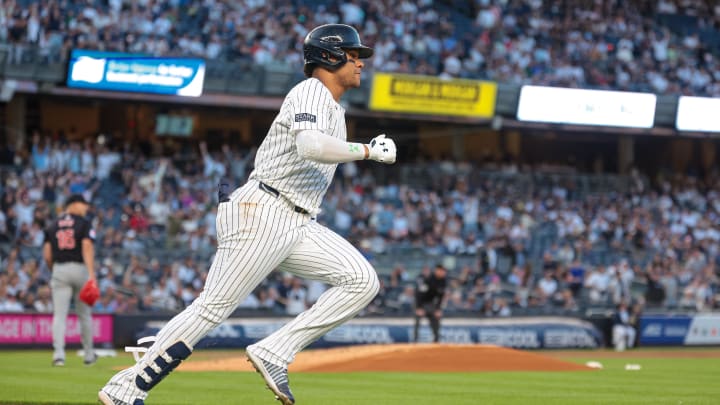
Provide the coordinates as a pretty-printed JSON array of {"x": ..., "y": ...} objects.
[
  {"x": 275, "y": 377},
  {"x": 106, "y": 399}
]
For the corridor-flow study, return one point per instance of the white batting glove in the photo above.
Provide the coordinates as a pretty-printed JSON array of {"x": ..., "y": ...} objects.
[{"x": 382, "y": 149}]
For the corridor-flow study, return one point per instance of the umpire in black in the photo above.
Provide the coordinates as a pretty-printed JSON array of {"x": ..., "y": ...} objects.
[
  {"x": 429, "y": 294},
  {"x": 69, "y": 252}
]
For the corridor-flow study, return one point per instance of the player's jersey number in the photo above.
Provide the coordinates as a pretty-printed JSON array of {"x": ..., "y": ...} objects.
[{"x": 66, "y": 239}]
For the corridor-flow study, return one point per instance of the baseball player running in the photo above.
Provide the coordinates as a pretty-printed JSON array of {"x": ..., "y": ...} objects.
[{"x": 269, "y": 223}]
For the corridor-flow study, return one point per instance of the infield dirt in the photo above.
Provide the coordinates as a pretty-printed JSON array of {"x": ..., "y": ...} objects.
[{"x": 404, "y": 357}]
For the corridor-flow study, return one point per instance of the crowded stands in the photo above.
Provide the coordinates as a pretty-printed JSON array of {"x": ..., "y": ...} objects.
[
  {"x": 665, "y": 47},
  {"x": 517, "y": 240}
]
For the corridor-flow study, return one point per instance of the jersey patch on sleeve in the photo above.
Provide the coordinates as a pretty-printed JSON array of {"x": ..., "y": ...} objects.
[
  {"x": 92, "y": 234},
  {"x": 305, "y": 117}
]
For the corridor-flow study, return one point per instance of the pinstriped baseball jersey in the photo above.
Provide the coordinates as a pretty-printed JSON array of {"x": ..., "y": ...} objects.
[{"x": 309, "y": 105}]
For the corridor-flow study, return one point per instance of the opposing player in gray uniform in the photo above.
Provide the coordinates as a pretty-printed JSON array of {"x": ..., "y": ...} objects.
[
  {"x": 69, "y": 251},
  {"x": 270, "y": 224}
]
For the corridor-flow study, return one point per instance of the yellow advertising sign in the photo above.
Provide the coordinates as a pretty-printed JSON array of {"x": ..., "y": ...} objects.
[{"x": 431, "y": 95}]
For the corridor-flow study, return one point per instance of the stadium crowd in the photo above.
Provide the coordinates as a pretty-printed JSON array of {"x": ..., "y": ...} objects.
[
  {"x": 511, "y": 247},
  {"x": 666, "y": 46},
  {"x": 513, "y": 242}
]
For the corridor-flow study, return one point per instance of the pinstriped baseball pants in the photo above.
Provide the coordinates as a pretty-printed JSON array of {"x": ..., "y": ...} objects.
[{"x": 259, "y": 233}]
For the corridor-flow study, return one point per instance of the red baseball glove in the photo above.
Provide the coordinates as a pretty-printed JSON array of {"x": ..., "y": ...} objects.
[{"x": 90, "y": 292}]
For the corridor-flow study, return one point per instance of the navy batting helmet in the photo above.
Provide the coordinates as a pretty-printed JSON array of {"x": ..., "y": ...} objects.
[{"x": 326, "y": 45}]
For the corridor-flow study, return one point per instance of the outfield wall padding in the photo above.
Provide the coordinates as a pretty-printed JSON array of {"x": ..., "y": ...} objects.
[{"x": 519, "y": 333}]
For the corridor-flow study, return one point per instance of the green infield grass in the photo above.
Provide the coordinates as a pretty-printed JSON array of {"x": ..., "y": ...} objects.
[{"x": 26, "y": 377}]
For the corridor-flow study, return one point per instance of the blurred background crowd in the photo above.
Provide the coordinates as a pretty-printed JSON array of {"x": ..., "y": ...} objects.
[
  {"x": 665, "y": 47},
  {"x": 516, "y": 239}
]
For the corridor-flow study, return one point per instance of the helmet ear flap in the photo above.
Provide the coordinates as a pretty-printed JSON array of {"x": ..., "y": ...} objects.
[{"x": 333, "y": 59}]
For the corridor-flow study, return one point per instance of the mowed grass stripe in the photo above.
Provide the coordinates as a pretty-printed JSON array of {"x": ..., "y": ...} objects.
[{"x": 26, "y": 377}]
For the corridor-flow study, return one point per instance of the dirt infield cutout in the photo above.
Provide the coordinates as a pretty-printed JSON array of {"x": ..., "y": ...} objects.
[{"x": 404, "y": 357}]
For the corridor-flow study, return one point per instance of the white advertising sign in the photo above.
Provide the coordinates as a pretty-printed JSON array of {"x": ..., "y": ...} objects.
[
  {"x": 700, "y": 114},
  {"x": 704, "y": 330},
  {"x": 586, "y": 107}
]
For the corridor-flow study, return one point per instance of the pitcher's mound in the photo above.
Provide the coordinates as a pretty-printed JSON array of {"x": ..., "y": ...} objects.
[{"x": 404, "y": 357}]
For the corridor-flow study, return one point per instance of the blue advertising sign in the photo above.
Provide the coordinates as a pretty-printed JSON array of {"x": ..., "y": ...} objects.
[
  {"x": 680, "y": 330},
  {"x": 664, "y": 330},
  {"x": 136, "y": 73}
]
